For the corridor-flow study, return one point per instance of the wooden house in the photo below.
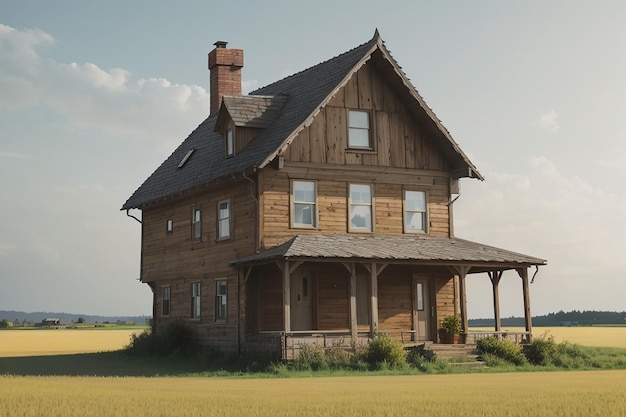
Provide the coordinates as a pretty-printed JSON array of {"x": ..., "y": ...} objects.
[{"x": 317, "y": 208}]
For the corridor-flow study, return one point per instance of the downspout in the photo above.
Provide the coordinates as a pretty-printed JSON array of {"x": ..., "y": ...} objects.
[
  {"x": 450, "y": 215},
  {"x": 131, "y": 216}
]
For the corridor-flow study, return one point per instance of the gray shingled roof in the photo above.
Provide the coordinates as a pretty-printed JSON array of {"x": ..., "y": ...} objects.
[
  {"x": 302, "y": 95},
  {"x": 418, "y": 249},
  {"x": 250, "y": 111}
]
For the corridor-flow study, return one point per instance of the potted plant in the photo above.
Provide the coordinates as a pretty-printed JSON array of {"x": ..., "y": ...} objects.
[{"x": 450, "y": 330}]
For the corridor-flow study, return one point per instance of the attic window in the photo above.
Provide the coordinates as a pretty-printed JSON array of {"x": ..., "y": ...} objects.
[
  {"x": 359, "y": 130},
  {"x": 185, "y": 158}
]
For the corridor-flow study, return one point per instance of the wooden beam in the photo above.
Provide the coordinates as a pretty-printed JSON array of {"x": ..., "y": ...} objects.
[
  {"x": 381, "y": 268},
  {"x": 523, "y": 273},
  {"x": 495, "y": 277},
  {"x": 374, "y": 299},
  {"x": 353, "y": 313},
  {"x": 247, "y": 275},
  {"x": 462, "y": 271},
  {"x": 295, "y": 266},
  {"x": 286, "y": 298}
]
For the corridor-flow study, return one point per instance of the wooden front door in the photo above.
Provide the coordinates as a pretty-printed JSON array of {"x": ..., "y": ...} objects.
[
  {"x": 421, "y": 309},
  {"x": 301, "y": 310}
]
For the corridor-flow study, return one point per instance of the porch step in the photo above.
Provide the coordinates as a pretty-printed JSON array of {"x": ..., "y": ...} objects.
[{"x": 462, "y": 355}]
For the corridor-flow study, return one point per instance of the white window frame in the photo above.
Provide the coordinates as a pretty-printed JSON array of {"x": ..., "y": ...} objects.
[
  {"x": 230, "y": 143},
  {"x": 295, "y": 202},
  {"x": 355, "y": 204},
  {"x": 166, "y": 300},
  {"x": 355, "y": 128},
  {"x": 224, "y": 221},
  {"x": 221, "y": 300},
  {"x": 196, "y": 300},
  {"x": 415, "y": 211},
  {"x": 196, "y": 223}
]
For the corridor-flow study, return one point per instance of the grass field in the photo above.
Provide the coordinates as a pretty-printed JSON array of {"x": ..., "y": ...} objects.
[
  {"x": 52, "y": 373},
  {"x": 43, "y": 342},
  {"x": 609, "y": 336},
  {"x": 589, "y": 394}
]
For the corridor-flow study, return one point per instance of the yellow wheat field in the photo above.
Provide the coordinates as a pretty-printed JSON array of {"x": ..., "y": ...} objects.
[
  {"x": 61, "y": 341},
  {"x": 586, "y": 336},
  {"x": 589, "y": 394}
]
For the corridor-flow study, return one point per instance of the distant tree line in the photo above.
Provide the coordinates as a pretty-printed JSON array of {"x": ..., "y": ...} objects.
[{"x": 562, "y": 318}]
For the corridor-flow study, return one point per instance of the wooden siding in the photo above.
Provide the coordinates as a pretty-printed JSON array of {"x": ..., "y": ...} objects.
[
  {"x": 332, "y": 201},
  {"x": 177, "y": 260},
  {"x": 395, "y": 301},
  {"x": 398, "y": 141}
]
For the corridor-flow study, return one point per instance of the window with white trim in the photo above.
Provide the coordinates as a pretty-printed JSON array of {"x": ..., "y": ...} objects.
[
  {"x": 304, "y": 204},
  {"x": 230, "y": 145},
  {"x": 195, "y": 300},
  {"x": 223, "y": 219},
  {"x": 221, "y": 300},
  {"x": 414, "y": 211},
  {"x": 196, "y": 223},
  {"x": 360, "y": 212},
  {"x": 359, "y": 130},
  {"x": 165, "y": 300},
  {"x": 169, "y": 226}
]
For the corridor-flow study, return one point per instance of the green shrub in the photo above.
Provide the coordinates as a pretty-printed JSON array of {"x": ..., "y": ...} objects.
[
  {"x": 542, "y": 351},
  {"x": 383, "y": 349},
  {"x": 503, "y": 349},
  {"x": 174, "y": 338}
]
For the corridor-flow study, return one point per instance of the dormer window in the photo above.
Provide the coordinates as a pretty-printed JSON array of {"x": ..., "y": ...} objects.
[{"x": 230, "y": 148}]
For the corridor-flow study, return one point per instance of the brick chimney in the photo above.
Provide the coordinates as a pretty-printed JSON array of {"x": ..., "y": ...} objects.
[{"x": 225, "y": 67}]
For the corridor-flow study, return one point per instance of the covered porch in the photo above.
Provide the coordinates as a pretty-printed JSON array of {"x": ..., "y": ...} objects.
[{"x": 338, "y": 290}]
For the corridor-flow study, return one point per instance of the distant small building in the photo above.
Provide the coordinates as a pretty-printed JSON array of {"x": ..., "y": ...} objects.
[{"x": 51, "y": 322}]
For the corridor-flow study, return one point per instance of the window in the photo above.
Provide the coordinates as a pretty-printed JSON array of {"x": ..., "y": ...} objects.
[
  {"x": 195, "y": 300},
  {"x": 221, "y": 291},
  {"x": 169, "y": 226},
  {"x": 229, "y": 143},
  {"x": 223, "y": 219},
  {"x": 414, "y": 211},
  {"x": 304, "y": 207},
  {"x": 185, "y": 158},
  {"x": 165, "y": 305},
  {"x": 359, "y": 129},
  {"x": 196, "y": 223},
  {"x": 360, "y": 207}
]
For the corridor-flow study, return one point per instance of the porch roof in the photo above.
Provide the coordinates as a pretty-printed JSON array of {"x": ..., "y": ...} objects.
[{"x": 423, "y": 250}]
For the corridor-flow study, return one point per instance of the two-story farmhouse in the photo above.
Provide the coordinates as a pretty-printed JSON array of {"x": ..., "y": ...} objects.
[{"x": 319, "y": 206}]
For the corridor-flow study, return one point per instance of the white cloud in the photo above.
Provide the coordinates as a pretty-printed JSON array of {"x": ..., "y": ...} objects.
[
  {"x": 580, "y": 229},
  {"x": 89, "y": 97},
  {"x": 12, "y": 155},
  {"x": 548, "y": 121}
]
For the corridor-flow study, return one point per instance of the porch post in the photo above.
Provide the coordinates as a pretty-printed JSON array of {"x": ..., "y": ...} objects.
[
  {"x": 462, "y": 271},
  {"x": 374, "y": 299},
  {"x": 353, "y": 314},
  {"x": 523, "y": 273},
  {"x": 495, "y": 276},
  {"x": 286, "y": 298}
]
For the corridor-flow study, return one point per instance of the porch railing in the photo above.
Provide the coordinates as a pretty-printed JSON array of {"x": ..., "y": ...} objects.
[
  {"x": 291, "y": 342},
  {"x": 518, "y": 337}
]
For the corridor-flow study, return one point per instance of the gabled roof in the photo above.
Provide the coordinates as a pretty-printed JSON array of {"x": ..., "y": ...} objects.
[
  {"x": 400, "y": 249},
  {"x": 302, "y": 96},
  {"x": 249, "y": 111}
]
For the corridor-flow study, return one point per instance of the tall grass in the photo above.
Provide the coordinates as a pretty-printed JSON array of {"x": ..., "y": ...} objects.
[{"x": 590, "y": 394}]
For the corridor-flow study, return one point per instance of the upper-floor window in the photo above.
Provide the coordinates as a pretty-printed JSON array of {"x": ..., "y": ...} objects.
[
  {"x": 304, "y": 204},
  {"x": 221, "y": 298},
  {"x": 169, "y": 226},
  {"x": 360, "y": 202},
  {"x": 359, "y": 130},
  {"x": 414, "y": 211},
  {"x": 195, "y": 300},
  {"x": 165, "y": 303},
  {"x": 230, "y": 145},
  {"x": 196, "y": 223},
  {"x": 223, "y": 219}
]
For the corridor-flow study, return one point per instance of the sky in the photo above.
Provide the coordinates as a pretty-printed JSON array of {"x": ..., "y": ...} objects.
[{"x": 95, "y": 95}]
